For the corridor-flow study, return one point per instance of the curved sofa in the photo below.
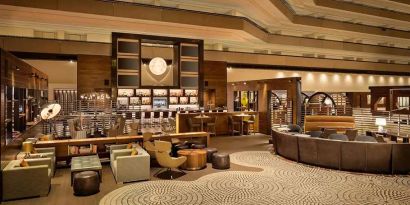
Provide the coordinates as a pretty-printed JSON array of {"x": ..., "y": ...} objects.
[{"x": 344, "y": 155}]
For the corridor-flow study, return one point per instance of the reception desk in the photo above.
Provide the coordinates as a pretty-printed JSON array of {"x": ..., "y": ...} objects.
[{"x": 221, "y": 120}]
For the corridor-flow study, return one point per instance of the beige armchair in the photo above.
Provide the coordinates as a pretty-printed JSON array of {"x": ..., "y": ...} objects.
[
  {"x": 48, "y": 152},
  {"x": 148, "y": 145},
  {"x": 162, "y": 153},
  {"x": 127, "y": 167},
  {"x": 21, "y": 182}
]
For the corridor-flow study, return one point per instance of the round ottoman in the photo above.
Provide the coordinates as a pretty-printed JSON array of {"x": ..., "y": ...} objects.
[
  {"x": 198, "y": 146},
  {"x": 221, "y": 161},
  {"x": 86, "y": 183},
  {"x": 196, "y": 159},
  {"x": 209, "y": 152}
]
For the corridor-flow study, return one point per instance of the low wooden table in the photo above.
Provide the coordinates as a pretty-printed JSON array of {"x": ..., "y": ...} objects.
[
  {"x": 86, "y": 163},
  {"x": 196, "y": 159}
]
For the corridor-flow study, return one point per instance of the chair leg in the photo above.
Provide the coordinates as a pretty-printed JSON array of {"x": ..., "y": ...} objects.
[{"x": 159, "y": 171}]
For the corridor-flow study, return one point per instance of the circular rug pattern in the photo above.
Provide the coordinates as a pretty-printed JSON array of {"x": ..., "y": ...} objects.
[
  {"x": 281, "y": 182},
  {"x": 155, "y": 193}
]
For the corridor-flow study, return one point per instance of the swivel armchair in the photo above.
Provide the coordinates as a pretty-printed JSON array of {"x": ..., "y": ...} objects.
[{"x": 162, "y": 153}]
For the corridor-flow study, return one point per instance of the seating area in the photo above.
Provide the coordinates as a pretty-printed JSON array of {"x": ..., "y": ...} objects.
[
  {"x": 362, "y": 155},
  {"x": 234, "y": 102}
]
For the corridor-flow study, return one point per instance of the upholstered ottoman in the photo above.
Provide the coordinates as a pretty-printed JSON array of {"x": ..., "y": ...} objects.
[
  {"x": 86, "y": 183},
  {"x": 220, "y": 161},
  {"x": 209, "y": 152}
]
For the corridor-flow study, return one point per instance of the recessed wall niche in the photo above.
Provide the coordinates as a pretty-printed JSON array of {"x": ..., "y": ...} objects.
[{"x": 157, "y": 62}]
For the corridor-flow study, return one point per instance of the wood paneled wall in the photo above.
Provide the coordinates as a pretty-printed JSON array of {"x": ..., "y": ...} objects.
[
  {"x": 215, "y": 77},
  {"x": 92, "y": 71},
  {"x": 292, "y": 85}
]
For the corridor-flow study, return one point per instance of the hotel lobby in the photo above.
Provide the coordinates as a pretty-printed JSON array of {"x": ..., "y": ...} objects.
[{"x": 126, "y": 102}]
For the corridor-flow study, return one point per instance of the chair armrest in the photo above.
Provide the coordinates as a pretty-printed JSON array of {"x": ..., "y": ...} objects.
[
  {"x": 122, "y": 152},
  {"x": 39, "y": 161},
  {"x": 117, "y": 147}
]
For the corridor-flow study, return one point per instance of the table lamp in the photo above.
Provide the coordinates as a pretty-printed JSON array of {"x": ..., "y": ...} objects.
[
  {"x": 27, "y": 147},
  {"x": 380, "y": 122}
]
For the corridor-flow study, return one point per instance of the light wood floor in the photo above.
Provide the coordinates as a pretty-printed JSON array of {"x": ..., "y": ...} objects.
[{"x": 61, "y": 192}]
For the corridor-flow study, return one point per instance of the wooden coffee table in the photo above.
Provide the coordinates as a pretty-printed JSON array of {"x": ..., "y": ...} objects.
[
  {"x": 196, "y": 159},
  {"x": 86, "y": 163}
]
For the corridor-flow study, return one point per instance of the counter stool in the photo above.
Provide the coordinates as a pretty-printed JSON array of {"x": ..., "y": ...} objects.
[
  {"x": 221, "y": 161},
  {"x": 193, "y": 126},
  {"x": 147, "y": 119},
  {"x": 86, "y": 183},
  {"x": 156, "y": 120},
  {"x": 211, "y": 126},
  {"x": 209, "y": 152},
  {"x": 232, "y": 124}
]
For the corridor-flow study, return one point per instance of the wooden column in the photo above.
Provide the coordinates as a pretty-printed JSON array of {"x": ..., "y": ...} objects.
[
  {"x": 215, "y": 77},
  {"x": 92, "y": 72}
]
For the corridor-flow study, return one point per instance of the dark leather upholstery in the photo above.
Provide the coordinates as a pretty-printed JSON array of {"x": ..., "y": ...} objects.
[
  {"x": 307, "y": 150},
  {"x": 344, "y": 155},
  {"x": 294, "y": 128},
  {"x": 220, "y": 161},
  {"x": 340, "y": 137},
  {"x": 328, "y": 153},
  {"x": 401, "y": 159},
  {"x": 287, "y": 146},
  {"x": 315, "y": 133},
  {"x": 353, "y": 156},
  {"x": 327, "y": 132},
  {"x": 378, "y": 157},
  {"x": 86, "y": 183},
  {"x": 364, "y": 138},
  {"x": 209, "y": 153}
]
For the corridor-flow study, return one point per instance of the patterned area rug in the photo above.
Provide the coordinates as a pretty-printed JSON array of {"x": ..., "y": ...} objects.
[{"x": 280, "y": 182}]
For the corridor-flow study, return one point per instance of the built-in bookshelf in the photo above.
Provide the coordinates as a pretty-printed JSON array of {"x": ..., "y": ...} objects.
[{"x": 148, "y": 97}]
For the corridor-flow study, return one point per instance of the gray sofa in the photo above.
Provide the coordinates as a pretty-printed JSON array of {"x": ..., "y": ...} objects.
[
  {"x": 21, "y": 182},
  {"x": 344, "y": 155}
]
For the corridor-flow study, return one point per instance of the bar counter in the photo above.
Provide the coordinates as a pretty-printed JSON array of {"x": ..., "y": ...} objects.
[{"x": 221, "y": 121}]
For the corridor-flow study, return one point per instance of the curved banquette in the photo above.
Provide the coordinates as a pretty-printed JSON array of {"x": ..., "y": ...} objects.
[{"x": 344, "y": 155}]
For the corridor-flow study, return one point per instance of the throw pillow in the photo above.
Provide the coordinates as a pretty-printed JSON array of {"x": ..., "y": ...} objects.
[
  {"x": 134, "y": 151},
  {"x": 24, "y": 163},
  {"x": 34, "y": 151},
  {"x": 129, "y": 145}
]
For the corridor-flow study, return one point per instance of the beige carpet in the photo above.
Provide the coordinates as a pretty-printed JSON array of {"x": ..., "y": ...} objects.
[{"x": 280, "y": 182}]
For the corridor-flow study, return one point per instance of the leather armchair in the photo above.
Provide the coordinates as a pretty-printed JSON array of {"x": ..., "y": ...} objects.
[
  {"x": 22, "y": 182},
  {"x": 162, "y": 154}
]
